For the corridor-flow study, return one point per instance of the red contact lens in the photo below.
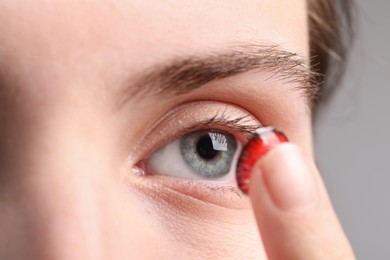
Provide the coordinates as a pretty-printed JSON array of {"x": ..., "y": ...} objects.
[{"x": 265, "y": 139}]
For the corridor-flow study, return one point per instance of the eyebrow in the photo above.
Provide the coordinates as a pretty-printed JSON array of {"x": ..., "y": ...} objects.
[{"x": 184, "y": 74}]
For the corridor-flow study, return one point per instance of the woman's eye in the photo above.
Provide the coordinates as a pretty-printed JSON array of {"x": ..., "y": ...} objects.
[{"x": 204, "y": 155}]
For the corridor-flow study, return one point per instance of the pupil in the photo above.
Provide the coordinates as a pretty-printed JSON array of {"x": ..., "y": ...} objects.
[{"x": 205, "y": 148}]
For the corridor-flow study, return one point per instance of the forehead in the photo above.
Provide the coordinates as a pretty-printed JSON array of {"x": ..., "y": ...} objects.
[
  {"x": 155, "y": 24},
  {"x": 87, "y": 39}
]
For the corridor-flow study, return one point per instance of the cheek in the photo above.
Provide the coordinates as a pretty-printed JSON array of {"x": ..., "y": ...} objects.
[{"x": 194, "y": 229}]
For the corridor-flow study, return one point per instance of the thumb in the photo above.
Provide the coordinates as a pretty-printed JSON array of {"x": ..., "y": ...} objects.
[{"x": 292, "y": 209}]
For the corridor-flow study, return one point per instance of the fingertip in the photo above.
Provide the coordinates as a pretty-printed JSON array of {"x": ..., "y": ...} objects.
[
  {"x": 284, "y": 174},
  {"x": 293, "y": 221},
  {"x": 288, "y": 178}
]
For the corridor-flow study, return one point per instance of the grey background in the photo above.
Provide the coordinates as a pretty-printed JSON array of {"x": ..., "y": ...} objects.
[{"x": 352, "y": 137}]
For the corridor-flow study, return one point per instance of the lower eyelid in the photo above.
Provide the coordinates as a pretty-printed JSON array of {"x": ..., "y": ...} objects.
[{"x": 191, "y": 191}]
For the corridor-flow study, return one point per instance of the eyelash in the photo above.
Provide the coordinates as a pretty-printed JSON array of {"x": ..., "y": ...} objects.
[
  {"x": 236, "y": 125},
  {"x": 241, "y": 127},
  {"x": 216, "y": 189}
]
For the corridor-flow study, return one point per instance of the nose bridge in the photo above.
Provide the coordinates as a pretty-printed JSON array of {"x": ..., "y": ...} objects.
[{"x": 50, "y": 197}]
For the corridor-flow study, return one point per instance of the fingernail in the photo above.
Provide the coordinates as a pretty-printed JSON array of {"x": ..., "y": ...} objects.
[{"x": 288, "y": 179}]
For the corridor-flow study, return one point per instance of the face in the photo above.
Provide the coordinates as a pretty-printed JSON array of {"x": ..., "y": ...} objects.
[{"x": 112, "y": 113}]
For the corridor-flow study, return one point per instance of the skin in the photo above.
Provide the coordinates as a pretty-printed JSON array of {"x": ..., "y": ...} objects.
[{"x": 68, "y": 151}]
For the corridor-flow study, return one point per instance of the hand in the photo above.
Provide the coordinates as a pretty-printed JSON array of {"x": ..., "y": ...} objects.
[{"x": 293, "y": 211}]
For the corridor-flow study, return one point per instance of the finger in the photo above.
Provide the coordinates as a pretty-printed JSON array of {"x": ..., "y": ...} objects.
[{"x": 292, "y": 209}]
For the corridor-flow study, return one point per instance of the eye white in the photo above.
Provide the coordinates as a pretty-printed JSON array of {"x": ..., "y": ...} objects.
[{"x": 169, "y": 161}]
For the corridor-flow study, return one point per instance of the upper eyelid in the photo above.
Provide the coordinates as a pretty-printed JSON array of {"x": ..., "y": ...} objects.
[
  {"x": 240, "y": 124},
  {"x": 244, "y": 125},
  {"x": 191, "y": 116},
  {"x": 217, "y": 123},
  {"x": 232, "y": 124}
]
